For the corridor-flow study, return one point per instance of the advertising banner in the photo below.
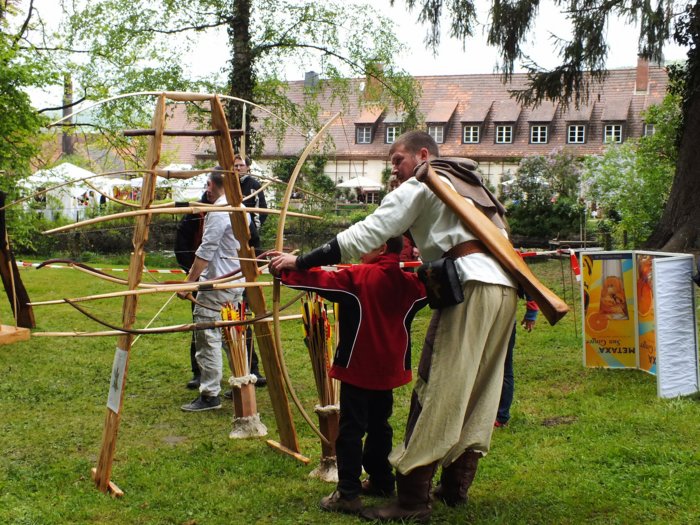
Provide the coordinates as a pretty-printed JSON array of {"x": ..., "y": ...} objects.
[
  {"x": 646, "y": 323},
  {"x": 609, "y": 314}
]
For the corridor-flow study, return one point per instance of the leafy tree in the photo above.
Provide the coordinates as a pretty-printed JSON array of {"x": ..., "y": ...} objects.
[
  {"x": 19, "y": 121},
  {"x": 113, "y": 46},
  {"x": 631, "y": 182},
  {"x": 542, "y": 198},
  {"x": 583, "y": 62}
]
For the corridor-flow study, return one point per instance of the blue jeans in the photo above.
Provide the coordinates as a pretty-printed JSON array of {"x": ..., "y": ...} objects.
[{"x": 508, "y": 383}]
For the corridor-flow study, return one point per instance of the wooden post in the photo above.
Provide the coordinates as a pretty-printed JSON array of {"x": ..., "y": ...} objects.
[
  {"x": 255, "y": 297},
  {"x": 244, "y": 403},
  {"x": 103, "y": 472}
]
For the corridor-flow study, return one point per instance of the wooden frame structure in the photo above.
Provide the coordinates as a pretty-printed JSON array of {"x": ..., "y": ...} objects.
[{"x": 266, "y": 323}]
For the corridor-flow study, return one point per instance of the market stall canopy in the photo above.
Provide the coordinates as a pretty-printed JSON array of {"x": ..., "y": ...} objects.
[{"x": 361, "y": 183}]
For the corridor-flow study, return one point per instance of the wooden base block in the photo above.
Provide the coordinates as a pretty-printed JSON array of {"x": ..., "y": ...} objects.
[
  {"x": 112, "y": 489},
  {"x": 281, "y": 448},
  {"x": 12, "y": 334},
  {"x": 244, "y": 402},
  {"x": 329, "y": 424}
]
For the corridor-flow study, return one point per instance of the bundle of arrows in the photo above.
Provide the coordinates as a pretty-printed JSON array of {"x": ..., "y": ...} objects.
[
  {"x": 236, "y": 338},
  {"x": 318, "y": 337}
]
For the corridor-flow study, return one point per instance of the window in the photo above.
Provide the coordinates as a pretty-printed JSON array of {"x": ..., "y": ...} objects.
[
  {"x": 363, "y": 135},
  {"x": 392, "y": 132},
  {"x": 471, "y": 135},
  {"x": 649, "y": 130},
  {"x": 577, "y": 134},
  {"x": 538, "y": 134},
  {"x": 438, "y": 133},
  {"x": 613, "y": 133},
  {"x": 504, "y": 134}
]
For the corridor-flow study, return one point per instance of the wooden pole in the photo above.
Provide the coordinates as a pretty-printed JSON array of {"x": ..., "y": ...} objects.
[
  {"x": 103, "y": 472},
  {"x": 255, "y": 297}
]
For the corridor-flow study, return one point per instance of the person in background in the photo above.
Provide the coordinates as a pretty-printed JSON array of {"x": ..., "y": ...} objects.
[
  {"x": 528, "y": 323},
  {"x": 216, "y": 256},
  {"x": 188, "y": 236},
  {"x": 250, "y": 185}
]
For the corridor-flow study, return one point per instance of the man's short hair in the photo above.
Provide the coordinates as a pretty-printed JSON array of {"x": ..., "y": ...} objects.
[
  {"x": 247, "y": 160},
  {"x": 394, "y": 244},
  {"x": 217, "y": 176},
  {"x": 413, "y": 141}
]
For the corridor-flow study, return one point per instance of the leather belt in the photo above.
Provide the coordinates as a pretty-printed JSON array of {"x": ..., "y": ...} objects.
[{"x": 465, "y": 248}]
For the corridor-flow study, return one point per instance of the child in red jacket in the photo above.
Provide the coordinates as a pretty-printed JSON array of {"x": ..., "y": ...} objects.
[{"x": 378, "y": 302}]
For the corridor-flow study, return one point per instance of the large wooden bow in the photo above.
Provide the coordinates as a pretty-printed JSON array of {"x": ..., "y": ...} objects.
[{"x": 276, "y": 292}]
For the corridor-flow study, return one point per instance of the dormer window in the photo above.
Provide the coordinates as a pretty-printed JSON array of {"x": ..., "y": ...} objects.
[
  {"x": 539, "y": 134},
  {"x": 392, "y": 133},
  {"x": 437, "y": 132},
  {"x": 471, "y": 134},
  {"x": 576, "y": 134},
  {"x": 612, "y": 134},
  {"x": 504, "y": 134},
  {"x": 363, "y": 134}
]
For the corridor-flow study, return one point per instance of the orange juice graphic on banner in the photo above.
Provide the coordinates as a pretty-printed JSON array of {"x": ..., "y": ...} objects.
[
  {"x": 646, "y": 324},
  {"x": 609, "y": 325}
]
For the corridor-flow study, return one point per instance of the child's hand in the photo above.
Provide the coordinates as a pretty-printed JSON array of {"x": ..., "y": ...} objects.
[{"x": 281, "y": 261}]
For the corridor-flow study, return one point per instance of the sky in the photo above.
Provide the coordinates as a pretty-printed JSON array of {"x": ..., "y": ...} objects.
[{"x": 449, "y": 59}]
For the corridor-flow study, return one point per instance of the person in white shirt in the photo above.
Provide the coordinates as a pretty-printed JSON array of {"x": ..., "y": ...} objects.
[
  {"x": 456, "y": 394},
  {"x": 216, "y": 256}
]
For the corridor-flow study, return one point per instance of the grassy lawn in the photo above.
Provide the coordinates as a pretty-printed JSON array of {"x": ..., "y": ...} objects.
[{"x": 584, "y": 445}]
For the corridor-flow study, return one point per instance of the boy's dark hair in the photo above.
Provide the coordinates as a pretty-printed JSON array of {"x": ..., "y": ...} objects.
[
  {"x": 217, "y": 176},
  {"x": 413, "y": 141},
  {"x": 394, "y": 245}
]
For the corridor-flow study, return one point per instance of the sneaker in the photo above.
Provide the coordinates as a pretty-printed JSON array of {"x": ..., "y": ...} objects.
[
  {"x": 193, "y": 384},
  {"x": 260, "y": 380},
  {"x": 337, "y": 503},
  {"x": 228, "y": 394},
  {"x": 203, "y": 403},
  {"x": 498, "y": 424},
  {"x": 370, "y": 489}
]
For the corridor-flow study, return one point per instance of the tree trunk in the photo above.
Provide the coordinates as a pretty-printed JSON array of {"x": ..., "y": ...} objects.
[
  {"x": 679, "y": 226},
  {"x": 241, "y": 76}
]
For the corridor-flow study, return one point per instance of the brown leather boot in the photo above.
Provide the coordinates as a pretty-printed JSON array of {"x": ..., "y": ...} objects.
[
  {"x": 456, "y": 479},
  {"x": 413, "y": 502}
]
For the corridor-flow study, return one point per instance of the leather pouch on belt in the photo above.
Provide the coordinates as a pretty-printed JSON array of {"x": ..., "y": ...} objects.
[{"x": 441, "y": 283}]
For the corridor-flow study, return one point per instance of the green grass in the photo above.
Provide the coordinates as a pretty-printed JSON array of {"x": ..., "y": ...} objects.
[{"x": 584, "y": 445}]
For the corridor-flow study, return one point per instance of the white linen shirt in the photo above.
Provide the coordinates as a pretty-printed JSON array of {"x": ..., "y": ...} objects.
[
  {"x": 218, "y": 244},
  {"x": 434, "y": 228}
]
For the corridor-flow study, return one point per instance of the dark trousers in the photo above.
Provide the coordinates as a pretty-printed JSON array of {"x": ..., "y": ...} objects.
[
  {"x": 508, "y": 383},
  {"x": 363, "y": 412}
]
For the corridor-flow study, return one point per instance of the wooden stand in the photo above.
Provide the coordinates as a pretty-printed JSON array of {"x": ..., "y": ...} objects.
[
  {"x": 266, "y": 345},
  {"x": 328, "y": 422},
  {"x": 12, "y": 334},
  {"x": 246, "y": 420}
]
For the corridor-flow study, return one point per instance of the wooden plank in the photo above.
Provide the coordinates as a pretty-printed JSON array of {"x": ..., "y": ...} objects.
[
  {"x": 103, "y": 471},
  {"x": 13, "y": 334},
  {"x": 274, "y": 445},
  {"x": 112, "y": 488},
  {"x": 256, "y": 299},
  {"x": 244, "y": 401}
]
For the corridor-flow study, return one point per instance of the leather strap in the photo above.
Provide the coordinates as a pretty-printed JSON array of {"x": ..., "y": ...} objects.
[{"x": 465, "y": 248}]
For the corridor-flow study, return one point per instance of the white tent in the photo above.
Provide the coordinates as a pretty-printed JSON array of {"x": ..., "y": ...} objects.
[
  {"x": 69, "y": 201},
  {"x": 361, "y": 183}
]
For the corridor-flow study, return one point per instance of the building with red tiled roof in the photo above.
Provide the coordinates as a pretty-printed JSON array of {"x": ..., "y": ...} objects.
[{"x": 474, "y": 116}]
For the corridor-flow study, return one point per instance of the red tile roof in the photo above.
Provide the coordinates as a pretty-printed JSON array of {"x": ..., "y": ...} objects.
[{"x": 477, "y": 99}]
